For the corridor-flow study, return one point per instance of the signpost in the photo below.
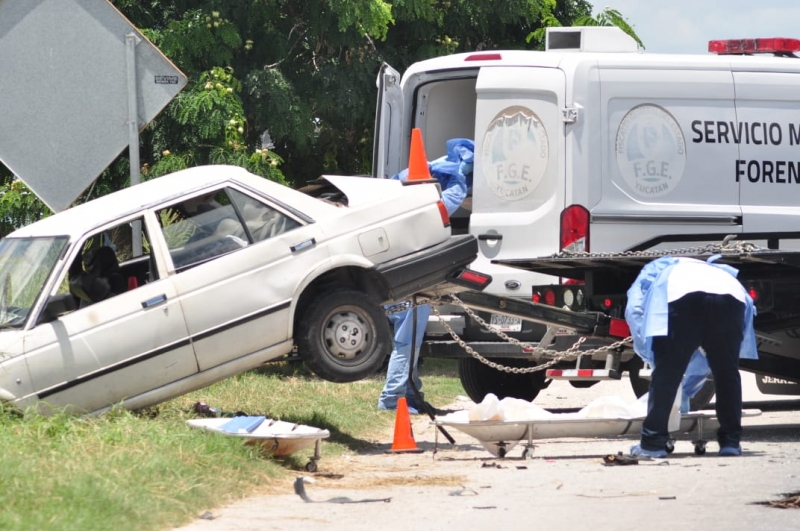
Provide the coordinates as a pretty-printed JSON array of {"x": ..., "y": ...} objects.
[{"x": 79, "y": 83}]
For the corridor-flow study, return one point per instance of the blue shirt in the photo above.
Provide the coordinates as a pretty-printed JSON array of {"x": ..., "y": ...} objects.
[
  {"x": 453, "y": 171},
  {"x": 647, "y": 315}
]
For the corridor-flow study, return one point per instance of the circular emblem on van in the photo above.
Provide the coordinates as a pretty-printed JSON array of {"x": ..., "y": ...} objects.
[
  {"x": 651, "y": 152},
  {"x": 515, "y": 153}
]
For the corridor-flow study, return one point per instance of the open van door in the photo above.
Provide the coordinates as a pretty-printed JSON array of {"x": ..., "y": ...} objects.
[{"x": 388, "y": 123}]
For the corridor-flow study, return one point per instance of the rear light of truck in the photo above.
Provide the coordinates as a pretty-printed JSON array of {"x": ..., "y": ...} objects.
[
  {"x": 575, "y": 229},
  {"x": 443, "y": 213},
  {"x": 568, "y": 297},
  {"x": 763, "y": 294},
  {"x": 778, "y": 46}
]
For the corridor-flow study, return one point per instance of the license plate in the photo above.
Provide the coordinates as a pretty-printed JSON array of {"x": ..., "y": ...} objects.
[{"x": 505, "y": 323}]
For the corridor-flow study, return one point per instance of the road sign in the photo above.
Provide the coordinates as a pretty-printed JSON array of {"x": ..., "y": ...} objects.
[{"x": 64, "y": 92}]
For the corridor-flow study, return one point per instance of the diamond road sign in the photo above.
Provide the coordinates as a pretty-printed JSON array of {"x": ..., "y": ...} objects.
[{"x": 64, "y": 92}]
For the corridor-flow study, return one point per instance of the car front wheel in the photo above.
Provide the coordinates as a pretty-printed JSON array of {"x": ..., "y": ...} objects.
[{"x": 343, "y": 336}]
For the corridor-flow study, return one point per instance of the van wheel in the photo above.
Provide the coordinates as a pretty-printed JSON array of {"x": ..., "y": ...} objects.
[
  {"x": 343, "y": 336},
  {"x": 478, "y": 379},
  {"x": 642, "y": 385}
]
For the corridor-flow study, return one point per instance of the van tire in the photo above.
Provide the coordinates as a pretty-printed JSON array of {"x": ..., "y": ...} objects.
[
  {"x": 322, "y": 342},
  {"x": 478, "y": 379},
  {"x": 642, "y": 385}
]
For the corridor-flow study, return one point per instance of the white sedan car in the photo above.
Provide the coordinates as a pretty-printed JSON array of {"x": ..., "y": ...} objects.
[{"x": 173, "y": 284}]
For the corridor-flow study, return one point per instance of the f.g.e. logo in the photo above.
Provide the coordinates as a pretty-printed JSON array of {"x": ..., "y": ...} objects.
[
  {"x": 515, "y": 153},
  {"x": 651, "y": 152}
]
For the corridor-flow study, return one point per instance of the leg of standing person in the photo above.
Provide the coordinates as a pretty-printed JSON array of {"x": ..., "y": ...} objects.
[
  {"x": 397, "y": 384},
  {"x": 671, "y": 355},
  {"x": 723, "y": 339}
]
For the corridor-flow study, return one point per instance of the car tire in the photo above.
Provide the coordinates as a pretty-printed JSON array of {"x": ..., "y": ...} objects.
[
  {"x": 642, "y": 385},
  {"x": 479, "y": 379},
  {"x": 343, "y": 336}
]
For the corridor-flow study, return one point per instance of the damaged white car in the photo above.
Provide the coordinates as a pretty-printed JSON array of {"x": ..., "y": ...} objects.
[{"x": 173, "y": 284}]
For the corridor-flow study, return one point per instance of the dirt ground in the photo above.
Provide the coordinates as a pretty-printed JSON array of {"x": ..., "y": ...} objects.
[{"x": 564, "y": 483}]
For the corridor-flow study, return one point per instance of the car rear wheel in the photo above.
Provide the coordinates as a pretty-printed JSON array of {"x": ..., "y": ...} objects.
[
  {"x": 343, "y": 336},
  {"x": 478, "y": 379}
]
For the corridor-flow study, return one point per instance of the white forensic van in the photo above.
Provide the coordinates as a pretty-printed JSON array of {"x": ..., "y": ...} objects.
[{"x": 595, "y": 146}]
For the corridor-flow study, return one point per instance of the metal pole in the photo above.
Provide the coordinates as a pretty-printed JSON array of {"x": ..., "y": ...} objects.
[
  {"x": 131, "y": 40},
  {"x": 412, "y": 363}
]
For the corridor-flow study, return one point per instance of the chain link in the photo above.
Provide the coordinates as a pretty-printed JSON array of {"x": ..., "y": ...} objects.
[
  {"x": 558, "y": 355},
  {"x": 728, "y": 246}
]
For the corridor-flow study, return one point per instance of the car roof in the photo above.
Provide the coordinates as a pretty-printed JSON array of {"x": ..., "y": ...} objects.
[{"x": 86, "y": 216}]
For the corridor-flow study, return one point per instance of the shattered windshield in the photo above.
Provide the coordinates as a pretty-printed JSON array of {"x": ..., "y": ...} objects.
[{"x": 25, "y": 265}]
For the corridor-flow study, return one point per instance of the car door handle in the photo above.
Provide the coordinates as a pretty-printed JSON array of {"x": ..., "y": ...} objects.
[
  {"x": 155, "y": 301},
  {"x": 303, "y": 245},
  {"x": 485, "y": 237}
]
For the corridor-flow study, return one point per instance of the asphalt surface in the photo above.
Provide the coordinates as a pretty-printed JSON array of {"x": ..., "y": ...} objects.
[{"x": 565, "y": 484}]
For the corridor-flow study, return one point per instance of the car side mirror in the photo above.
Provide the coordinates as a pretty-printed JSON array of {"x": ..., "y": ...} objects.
[{"x": 57, "y": 306}]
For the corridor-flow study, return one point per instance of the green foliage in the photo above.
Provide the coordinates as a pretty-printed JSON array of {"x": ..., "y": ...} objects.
[
  {"x": 609, "y": 17},
  {"x": 19, "y": 205}
]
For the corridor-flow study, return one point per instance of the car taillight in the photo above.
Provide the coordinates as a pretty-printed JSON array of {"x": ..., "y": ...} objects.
[
  {"x": 474, "y": 277},
  {"x": 470, "y": 279},
  {"x": 575, "y": 229},
  {"x": 444, "y": 214}
]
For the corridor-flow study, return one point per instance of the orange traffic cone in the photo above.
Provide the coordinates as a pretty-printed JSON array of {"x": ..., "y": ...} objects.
[
  {"x": 417, "y": 160},
  {"x": 403, "y": 436}
]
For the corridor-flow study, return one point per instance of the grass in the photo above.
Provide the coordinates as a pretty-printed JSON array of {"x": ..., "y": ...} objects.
[{"x": 147, "y": 470}]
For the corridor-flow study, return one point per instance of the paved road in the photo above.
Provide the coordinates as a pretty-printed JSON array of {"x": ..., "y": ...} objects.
[{"x": 565, "y": 485}]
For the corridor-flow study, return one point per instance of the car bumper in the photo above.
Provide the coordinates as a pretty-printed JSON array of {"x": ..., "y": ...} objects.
[{"x": 428, "y": 271}]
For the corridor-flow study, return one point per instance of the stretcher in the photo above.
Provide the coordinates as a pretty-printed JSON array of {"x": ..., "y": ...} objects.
[
  {"x": 277, "y": 437},
  {"x": 500, "y": 436}
]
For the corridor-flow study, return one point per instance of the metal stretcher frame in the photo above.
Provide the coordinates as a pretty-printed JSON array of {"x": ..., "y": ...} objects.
[{"x": 498, "y": 437}]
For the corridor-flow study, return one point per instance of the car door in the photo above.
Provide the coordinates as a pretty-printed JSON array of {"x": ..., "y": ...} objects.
[
  {"x": 386, "y": 152},
  {"x": 117, "y": 348},
  {"x": 237, "y": 279}
]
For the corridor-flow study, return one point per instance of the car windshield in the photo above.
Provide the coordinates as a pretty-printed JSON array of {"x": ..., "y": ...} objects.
[{"x": 25, "y": 265}]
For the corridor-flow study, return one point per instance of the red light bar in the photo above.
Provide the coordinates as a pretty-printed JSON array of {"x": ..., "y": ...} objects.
[
  {"x": 747, "y": 46},
  {"x": 484, "y": 57}
]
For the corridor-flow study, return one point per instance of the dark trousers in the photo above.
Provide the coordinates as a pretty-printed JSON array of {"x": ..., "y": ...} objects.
[{"x": 714, "y": 322}]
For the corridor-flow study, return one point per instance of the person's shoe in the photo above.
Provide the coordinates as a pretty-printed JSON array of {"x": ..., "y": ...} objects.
[
  {"x": 730, "y": 451},
  {"x": 637, "y": 450}
]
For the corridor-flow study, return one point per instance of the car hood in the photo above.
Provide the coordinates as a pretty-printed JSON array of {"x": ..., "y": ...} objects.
[{"x": 365, "y": 190}]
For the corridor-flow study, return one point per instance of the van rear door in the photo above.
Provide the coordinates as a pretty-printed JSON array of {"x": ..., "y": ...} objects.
[
  {"x": 519, "y": 147},
  {"x": 388, "y": 123}
]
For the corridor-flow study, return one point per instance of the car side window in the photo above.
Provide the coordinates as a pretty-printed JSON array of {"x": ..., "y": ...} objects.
[
  {"x": 262, "y": 221},
  {"x": 107, "y": 264},
  {"x": 201, "y": 228},
  {"x": 216, "y": 223}
]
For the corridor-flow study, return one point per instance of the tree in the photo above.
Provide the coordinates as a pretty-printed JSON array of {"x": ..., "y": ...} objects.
[{"x": 286, "y": 88}]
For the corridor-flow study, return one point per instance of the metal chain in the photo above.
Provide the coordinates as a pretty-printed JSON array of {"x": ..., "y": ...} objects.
[
  {"x": 558, "y": 355},
  {"x": 728, "y": 245}
]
